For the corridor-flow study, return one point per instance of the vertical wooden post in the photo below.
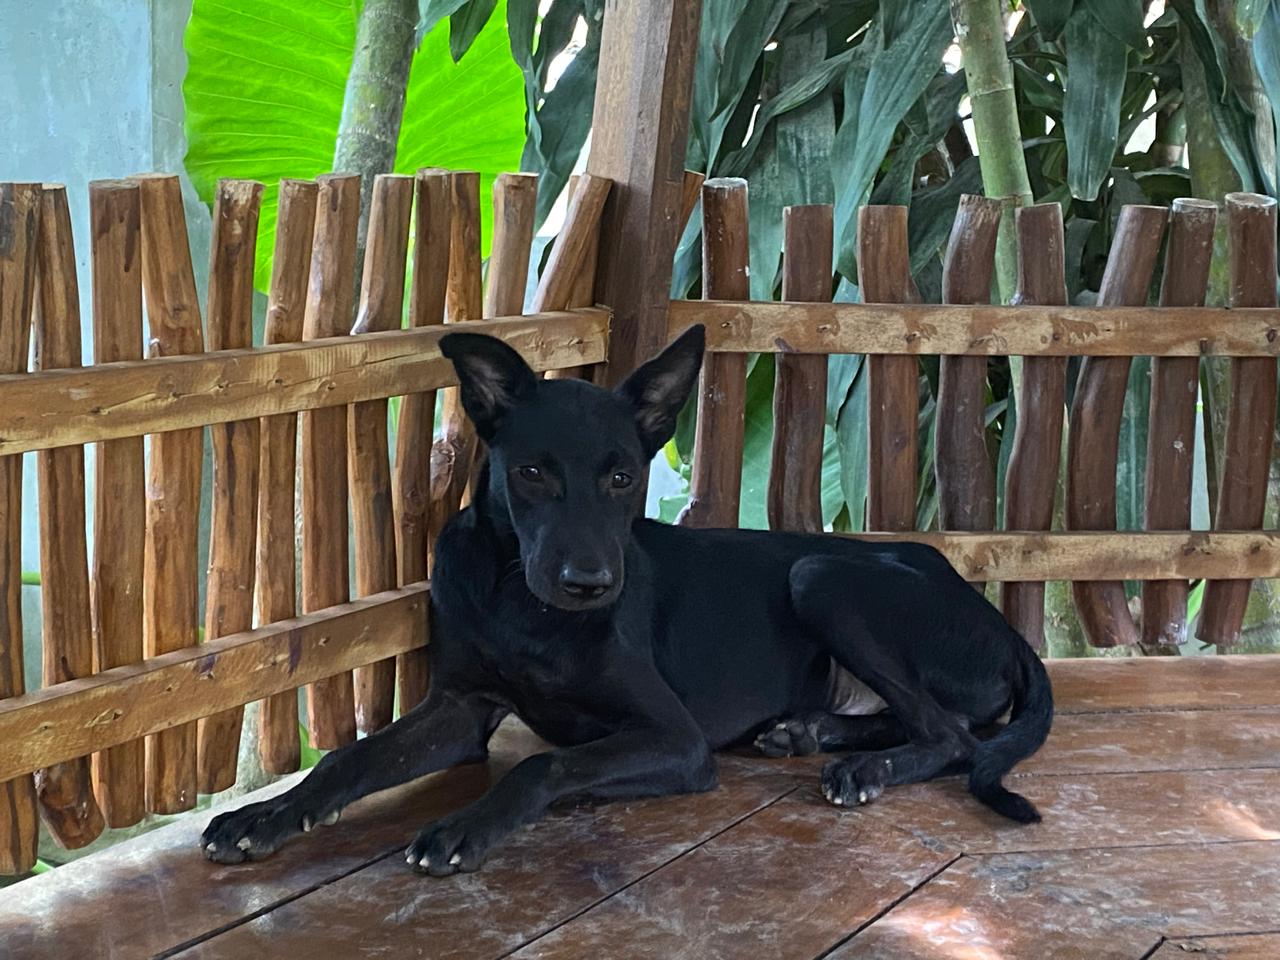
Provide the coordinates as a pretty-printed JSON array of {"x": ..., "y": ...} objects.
[
  {"x": 577, "y": 243},
  {"x": 966, "y": 482},
  {"x": 639, "y": 131},
  {"x": 119, "y": 515},
  {"x": 19, "y": 226},
  {"x": 893, "y": 384},
  {"x": 64, "y": 790},
  {"x": 330, "y": 702},
  {"x": 278, "y": 744},
  {"x": 1032, "y": 476},
  {"x": 1251, "y": 418},
  {"x": 453, "y": 454},
  {"x": 170, "y": 602},
  {"x": 515, "y": 197},
  {"x": 368, "y": 456},
  {"x": 1171, "y": 432},
  {"x": 411, "y": 493},
  {"x": 1093, "y": 444},
  {"x": 234, "y": 527},
  {"x": 794, "y": 498},
  {"x": 715, "y": 489}
]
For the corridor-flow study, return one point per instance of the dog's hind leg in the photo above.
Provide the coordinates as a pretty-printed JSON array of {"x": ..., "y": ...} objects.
[
  {"x": 863, "y": 630},
  {"x": 442, "y": 731},
  {"x": 824, "y": 732}
]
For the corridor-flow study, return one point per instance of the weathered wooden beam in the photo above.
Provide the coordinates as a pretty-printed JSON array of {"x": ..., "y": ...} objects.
[
  {"x": 639, "y": 131},
  {"x": 1035, "y": 556},
  {"x": 947, "y": 330},
  {"x": 63, "y": 407},
  {"x": 119, "y": 705}
]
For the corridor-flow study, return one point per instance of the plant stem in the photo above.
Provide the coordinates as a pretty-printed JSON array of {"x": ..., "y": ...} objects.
[
  {"x": 980, "y": 31},
  {"x": 374, "y": 99}
]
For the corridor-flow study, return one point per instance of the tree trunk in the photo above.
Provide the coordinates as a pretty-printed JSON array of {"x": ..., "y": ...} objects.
[{"x": 979, "y": 29}]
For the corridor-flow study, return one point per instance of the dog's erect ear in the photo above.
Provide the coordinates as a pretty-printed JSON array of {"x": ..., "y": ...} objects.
[
  {"x": 658, "y": 389},
  {"x": 492, "y": 378}
]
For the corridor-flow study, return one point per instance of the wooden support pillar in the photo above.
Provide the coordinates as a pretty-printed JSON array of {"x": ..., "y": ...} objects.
[{"x": 638, "y": 138}]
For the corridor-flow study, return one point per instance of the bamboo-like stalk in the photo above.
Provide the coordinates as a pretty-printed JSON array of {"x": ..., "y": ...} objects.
[{"x": 980, "y": 32}]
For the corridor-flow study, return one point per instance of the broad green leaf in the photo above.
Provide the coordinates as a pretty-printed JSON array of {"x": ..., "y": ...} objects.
[
  {"x": 1122, "y": 19},
  {"x": 852, "y": 443},
  {"x": 264, "y": 90},
  {"x": 1050, "y": 15},
  {"x": 898, "y": 74},
  {"x": 466, "y": 23},
  {"x": 1091, "y": 109},
  {"x": 431, "y": 12}
]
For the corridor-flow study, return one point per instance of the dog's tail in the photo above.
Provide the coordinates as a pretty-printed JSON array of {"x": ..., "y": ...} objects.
[{"x": 1028, "y": 727}]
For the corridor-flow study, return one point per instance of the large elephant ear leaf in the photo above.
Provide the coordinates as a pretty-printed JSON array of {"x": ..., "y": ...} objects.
[
  {"x": 1091, "y": 108},
  {"x": 265, "y": 85}
]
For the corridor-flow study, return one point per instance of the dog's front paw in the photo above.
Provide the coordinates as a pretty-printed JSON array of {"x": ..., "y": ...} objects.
[
  {"x": 793, "y": 737},
  {"x": 457, "y": 843},
  {"x": 856, "y": 779},
  {"x": 258, "y": 830}
]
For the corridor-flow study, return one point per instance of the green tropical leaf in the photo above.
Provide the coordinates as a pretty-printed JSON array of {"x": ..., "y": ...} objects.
[
  {"x": 1250, "y": 15},
  {"x": 264, "y": 90},
  {"x": 1122, "y": 19},
  {"x": 1266, "y": 57},
  {"x": 1091, "y": 108},
  {"x": 1050, "y": 15},
  {"x": 431, "y": 12},
  {"x": 465, "y": 25}
]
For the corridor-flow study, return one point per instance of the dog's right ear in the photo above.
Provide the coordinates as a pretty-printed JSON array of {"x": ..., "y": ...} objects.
[{"x": 492, "y": 378}]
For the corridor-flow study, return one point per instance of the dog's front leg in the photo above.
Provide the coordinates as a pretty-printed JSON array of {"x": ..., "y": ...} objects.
[
  {"x": 634, "y": 763},
  {"x": 444, "y": 730}
]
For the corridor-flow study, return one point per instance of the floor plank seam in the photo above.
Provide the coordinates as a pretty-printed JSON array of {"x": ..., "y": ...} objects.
[
  {"x": 648, "y": 873},
  {"x": 1061, "y": 711},
  {"x": 892, "y": 905},
  {"x": 1160, "y": 942},
  {"x": 1020, "y": 774},
  {"x": 1036, "y": 851}
]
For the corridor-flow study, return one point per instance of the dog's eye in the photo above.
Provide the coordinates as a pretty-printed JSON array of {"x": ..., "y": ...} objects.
[
  {"x": 531, "y": 474},
  {"x": 620, "y": 480}
]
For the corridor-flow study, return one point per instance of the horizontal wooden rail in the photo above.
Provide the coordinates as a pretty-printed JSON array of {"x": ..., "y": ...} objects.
[
  {"x": 953, "y": 330},
  {"x": 1172, "y": 555},
  {"x": 58, "y": 408},
  {"x": 119, "y": 705}
]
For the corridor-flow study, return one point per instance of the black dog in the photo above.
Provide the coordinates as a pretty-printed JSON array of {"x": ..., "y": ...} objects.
[{"x": 639, "y": 648}]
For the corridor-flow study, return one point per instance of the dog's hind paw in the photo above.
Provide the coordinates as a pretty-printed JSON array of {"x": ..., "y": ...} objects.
[
  {"x": 792, "y": 737},
  {"x": 854, "y": 780}
]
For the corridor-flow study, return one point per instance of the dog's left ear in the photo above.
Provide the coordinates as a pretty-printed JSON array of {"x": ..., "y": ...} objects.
[
  {"x": 492, "y": 378},
  {"x": 658, "y": 389}
]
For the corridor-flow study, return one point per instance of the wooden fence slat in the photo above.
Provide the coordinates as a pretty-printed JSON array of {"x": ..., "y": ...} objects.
[
  {"x": 51, "y": 725},
  {"x": 989, "y": 331},
  {"x": 331, "y": 718},
  {"x": 1093, "y": 440},
  {"x": 19, "y": 227},
  {"x": 715, "y": 487},
  {"x": 1251, "y": 417},
  {"x": 966, "y": 480},
  {"x": 1171, "y": 427},
  {"x": 153, "y": 396},
  {"x": 1032, "y": 476},
  {"x": 64, "y": 790},
  {"x": 453, "y": 455},
  {"x": 884, "y": 274},
  {"x": 236, "y": 445},
  {"x": 411, "y": 486},
  {"x": 794, "y": 498},
  {"x": 279, "y": 748},
  {"x": 368, "y": 457},
  {"x": 562, "y": 275},
  {"x": 170, "y": 601},
  {"x": 119, "y": 514}
]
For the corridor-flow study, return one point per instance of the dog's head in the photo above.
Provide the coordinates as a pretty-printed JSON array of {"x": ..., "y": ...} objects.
[{"x": 566, "y": 457}]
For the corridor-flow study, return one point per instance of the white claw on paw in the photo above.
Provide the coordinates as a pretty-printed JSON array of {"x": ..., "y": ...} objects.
[
  {"x": 781, "y": 726},
  {"x": 244, "y": 843},
  {"x": 211, "y": 848},
  {"x": 424, "y": 863},
  {"x": 332, "y": 818},
  {"x": 455, "y": 860},
  {"x": 409, "y": 856},
  {"x": 838, "y": 801},
  {"x": 862, "y": 796},
  {"x": 307, "y": 824}
]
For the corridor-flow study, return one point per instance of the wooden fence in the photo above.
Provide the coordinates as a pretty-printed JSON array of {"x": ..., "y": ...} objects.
[{"x": 136, "y": 715}]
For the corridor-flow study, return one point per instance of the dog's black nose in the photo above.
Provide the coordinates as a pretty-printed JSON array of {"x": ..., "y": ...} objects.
[{"x": 585, "y": 584}]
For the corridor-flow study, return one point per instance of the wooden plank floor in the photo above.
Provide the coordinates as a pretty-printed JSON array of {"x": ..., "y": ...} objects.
[{"x": 1160, "y": 789}]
